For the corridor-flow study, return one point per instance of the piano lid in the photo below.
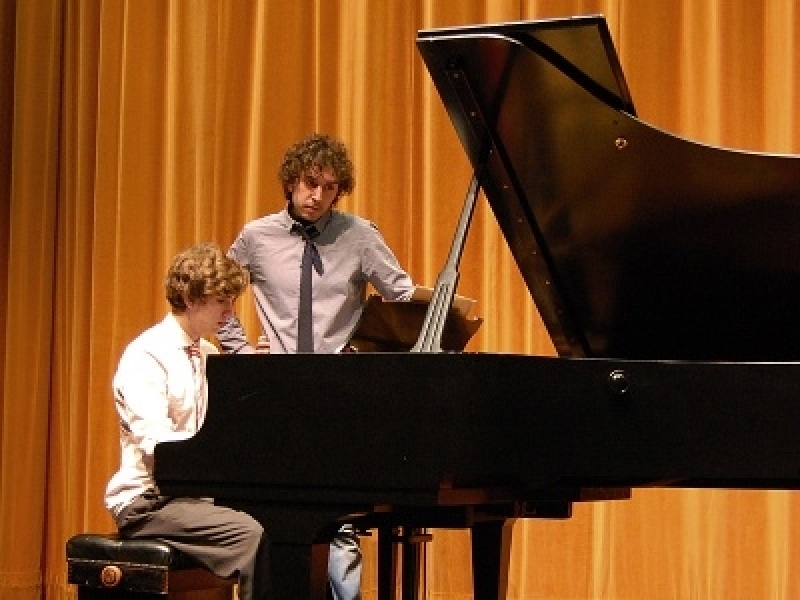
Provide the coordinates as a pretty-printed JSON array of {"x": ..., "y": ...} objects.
[{"x": 633, "y": 242}]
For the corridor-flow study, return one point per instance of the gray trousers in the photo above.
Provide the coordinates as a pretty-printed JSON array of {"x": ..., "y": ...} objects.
[{"x": 226, "y": 541}]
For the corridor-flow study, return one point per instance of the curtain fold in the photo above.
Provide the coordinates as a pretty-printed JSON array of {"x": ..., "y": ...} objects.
[
  {"x": 130, "y": 129},
  {"x": 29, "y": 258}
]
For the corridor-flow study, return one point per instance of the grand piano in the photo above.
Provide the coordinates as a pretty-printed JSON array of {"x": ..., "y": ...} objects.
[{"x": 666, "y": 271}]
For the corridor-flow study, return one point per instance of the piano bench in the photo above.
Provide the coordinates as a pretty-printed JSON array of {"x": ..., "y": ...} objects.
[{"x": 105, "y": 567}]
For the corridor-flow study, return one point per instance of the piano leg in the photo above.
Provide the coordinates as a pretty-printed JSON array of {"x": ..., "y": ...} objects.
[
  {"x": 300, "y": 547},
  {"x": 491, "y": 551},
  {"x": 387, "y": 563},
  {"x": 413, "y": 557},
  {"x": 412, "y": 583}
]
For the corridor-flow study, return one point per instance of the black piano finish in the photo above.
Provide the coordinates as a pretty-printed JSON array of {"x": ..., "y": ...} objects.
[
  {"x": 521, "y": 423},
  {"x": 466, "y": 440},
  {"x": 634, "y": 243},
  {"x": 666, "y": 271}
]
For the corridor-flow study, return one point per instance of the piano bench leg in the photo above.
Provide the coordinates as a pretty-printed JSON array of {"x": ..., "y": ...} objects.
[
  {"x": 104, "y": 567},
  {"x": 90, "y": 593}
]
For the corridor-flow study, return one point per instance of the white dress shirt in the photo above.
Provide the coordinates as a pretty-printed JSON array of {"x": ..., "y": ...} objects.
[{"x": 159, "y": 397}]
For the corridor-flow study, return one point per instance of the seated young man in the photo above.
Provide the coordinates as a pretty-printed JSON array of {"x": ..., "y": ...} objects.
[{"x": 161, "y": 395}]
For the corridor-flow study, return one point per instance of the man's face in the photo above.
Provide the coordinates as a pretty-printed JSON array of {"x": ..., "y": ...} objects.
[
  {"x": 314, "y": 193},
  {"x": 208, "y": 315}
]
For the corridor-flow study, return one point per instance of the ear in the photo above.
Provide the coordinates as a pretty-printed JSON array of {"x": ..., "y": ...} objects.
[{"x": 288, "y": 191}]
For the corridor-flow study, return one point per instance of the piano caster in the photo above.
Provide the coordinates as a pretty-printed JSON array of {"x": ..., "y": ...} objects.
[{"x": 412, "y": 582}]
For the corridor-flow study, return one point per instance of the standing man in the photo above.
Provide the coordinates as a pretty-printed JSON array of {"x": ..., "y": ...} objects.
[
  {"x": 161, "y": 395},
  {"x": 341, "y": 253}
]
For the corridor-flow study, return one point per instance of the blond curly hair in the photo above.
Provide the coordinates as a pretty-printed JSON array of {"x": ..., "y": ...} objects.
[{"x": 203, "y": 271}]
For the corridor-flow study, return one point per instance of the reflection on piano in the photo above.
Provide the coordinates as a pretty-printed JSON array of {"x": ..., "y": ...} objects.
[{"x": 665, "y": 270}]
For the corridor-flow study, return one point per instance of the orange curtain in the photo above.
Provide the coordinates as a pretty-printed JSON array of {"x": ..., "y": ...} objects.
[{"x": 130, "y": 129}]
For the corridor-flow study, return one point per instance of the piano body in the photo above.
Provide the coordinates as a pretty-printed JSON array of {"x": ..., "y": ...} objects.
[{"x": 666, "y": 271}]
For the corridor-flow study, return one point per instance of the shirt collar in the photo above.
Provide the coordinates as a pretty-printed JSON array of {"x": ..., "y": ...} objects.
[
  {"x": 181, "y": 337},
  {"x": 321, "y": 224}
]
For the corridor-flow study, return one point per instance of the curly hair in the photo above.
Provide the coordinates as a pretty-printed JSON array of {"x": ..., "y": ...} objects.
[
  {"x": 203, "y": 271},
  {"x": 317, "y": 150}
]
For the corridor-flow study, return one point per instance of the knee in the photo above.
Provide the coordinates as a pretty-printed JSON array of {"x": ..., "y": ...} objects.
[
  {"x": 250, "y": 529},
  {"x": 256, "y": 530}
]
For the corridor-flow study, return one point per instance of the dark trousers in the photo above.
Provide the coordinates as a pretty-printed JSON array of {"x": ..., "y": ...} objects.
[{"x": 226, "y": 541}]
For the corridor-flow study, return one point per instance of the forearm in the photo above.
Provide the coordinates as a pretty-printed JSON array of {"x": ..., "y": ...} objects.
[{"x": 232, "y": 338}]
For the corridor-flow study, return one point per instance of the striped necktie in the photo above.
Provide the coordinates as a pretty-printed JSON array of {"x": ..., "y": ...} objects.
[
  {"x": 193, "y": 351},
  {"x": 196, "y": 358}
]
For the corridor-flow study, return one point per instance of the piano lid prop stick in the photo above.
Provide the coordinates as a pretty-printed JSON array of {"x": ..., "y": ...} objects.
[{"x": 430, "y": 337}]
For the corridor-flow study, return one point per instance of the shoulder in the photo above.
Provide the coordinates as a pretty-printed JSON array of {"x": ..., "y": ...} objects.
[
  {"x": 256, "y": 236},
  {"x": 161, "y": 339},
  {"x": 355, "y": 225},
  {"x": 152, "y": 337},
  {"x": 150, "y": 347},
  {"x": 264, "y": 224}
]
